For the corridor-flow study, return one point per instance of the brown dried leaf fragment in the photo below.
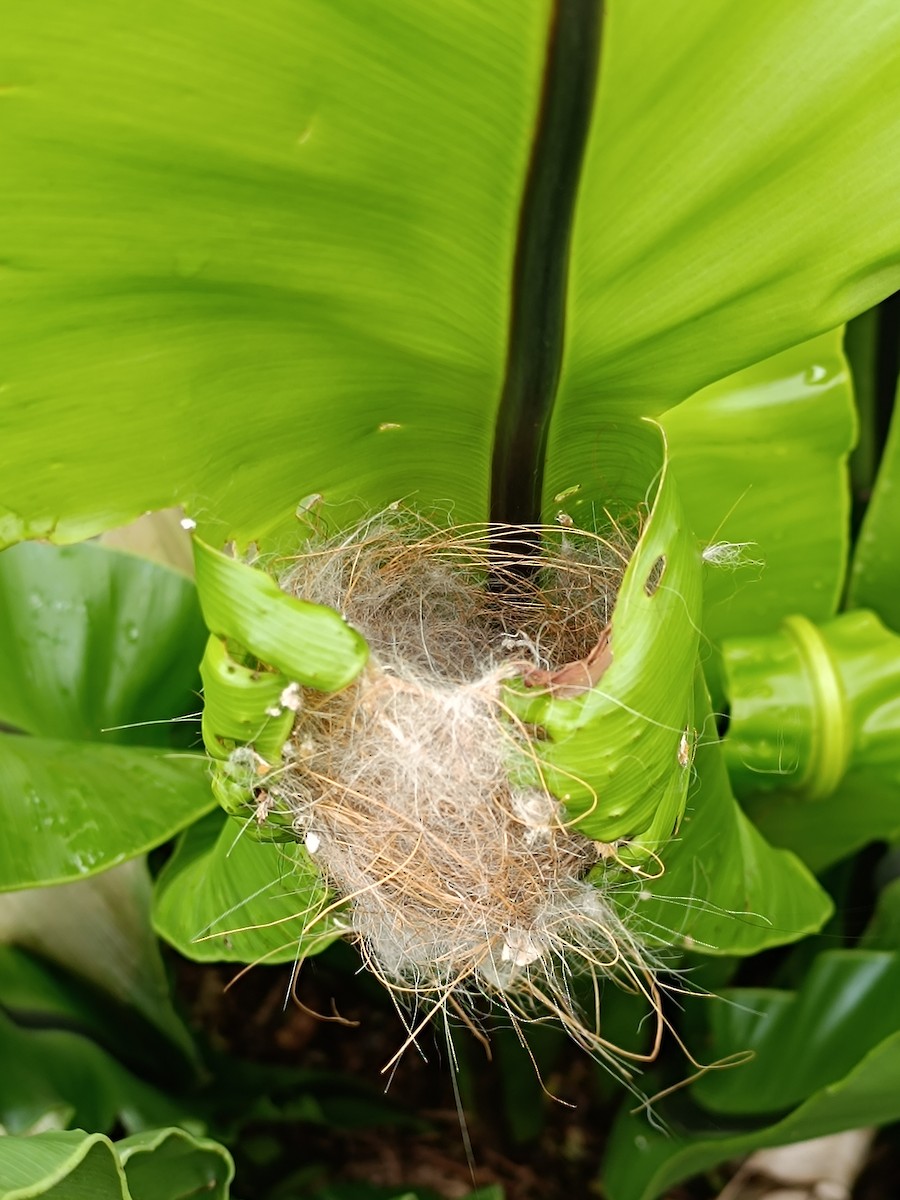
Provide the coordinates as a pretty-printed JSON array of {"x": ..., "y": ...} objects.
[{"x": 577, "y": 677}]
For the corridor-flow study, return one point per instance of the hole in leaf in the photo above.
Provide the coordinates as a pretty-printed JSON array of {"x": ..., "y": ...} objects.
[{"x": 657, "y": 571}]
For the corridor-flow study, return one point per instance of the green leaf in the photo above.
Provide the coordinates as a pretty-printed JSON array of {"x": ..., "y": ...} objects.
[
  {"x": 99, "y": 930},
  {"x": 644, "y": 700},
  {"x": 643, "y": 1162},
  {"x": 76, "y": 1057},
  {"x": 844, "y": 1009},
  {"x": 883, "y": 931},
  {"x": 238, "y": 707},
  {"x": 225, "y": 897},
  {"x": 60, "y": 1071},
  {"x": 873, "y": 576},
  {"x": 783, "y": 427},
  {"x": 812, "y": 742},
  {"x": 725, "y": 890},
  {"x": 711, "y": 229},
  {"x": 91, "y": 640},
  {"x": 60, "y": 1166},
  {"x": 166, "y": 1164},
  {"x": 306, "y": 642},
  {"x": 74, "y": 808},
  {"x": 170, "y": 1164},
  {"x": 280, "y": 245},
  {"x": 34, "y": 991}
]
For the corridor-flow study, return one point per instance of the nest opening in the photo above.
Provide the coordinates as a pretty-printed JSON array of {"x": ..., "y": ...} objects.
[{"x": 418, "y": 793}]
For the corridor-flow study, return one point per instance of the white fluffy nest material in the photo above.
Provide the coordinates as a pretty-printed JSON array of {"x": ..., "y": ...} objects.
[{"x": 417, "y": 792}]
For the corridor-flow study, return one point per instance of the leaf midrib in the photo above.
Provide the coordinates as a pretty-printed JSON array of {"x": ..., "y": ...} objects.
[{"x": 540, "y": 268}]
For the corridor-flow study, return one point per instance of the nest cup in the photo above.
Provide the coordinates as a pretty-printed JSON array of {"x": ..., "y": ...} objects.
[{"x": 421, "y": 797}]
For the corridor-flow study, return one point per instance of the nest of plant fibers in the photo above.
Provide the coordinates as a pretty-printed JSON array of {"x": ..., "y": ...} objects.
[{"x": 419, "y": 795}]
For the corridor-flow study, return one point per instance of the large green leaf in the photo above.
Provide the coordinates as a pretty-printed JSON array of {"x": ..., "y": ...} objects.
[
  {"x": 873, "y": 578},
  {"x": 725, "y": 890},
  {"x": 642, "y": 1163},
  {"x": 60, "y": 1166},
  {"x": 612, "y": 754},
  {"x": 833, "y": 1045},
  {"x": 845, "y": 1007},
  {"x": 57, "y": 1068},
  {"x": 167, "y": 1164},
  {"x": 812, "y": 746},
  {"x": 732, "y": 204},
  {"x": 71, "y": 809},
  {"x": 91, "y": 640},
  {"x": 99, "y": 930},
  {"x": 225, "y": 897},
  {"x": 310, "y": 643},
  {"x": 783, "y": 427},
  {"x": 170, "y": 1164},
  {"x": 279, "y": 244}
]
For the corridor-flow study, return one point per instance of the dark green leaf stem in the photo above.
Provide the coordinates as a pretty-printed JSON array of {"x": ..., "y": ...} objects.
[{"x": 538, "y": 305}]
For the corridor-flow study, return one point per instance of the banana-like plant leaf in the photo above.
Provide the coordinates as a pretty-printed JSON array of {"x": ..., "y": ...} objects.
[
  {"x": 97, "y": 645},
  {"x": 74, "y": 808},
  {"x": 643, "y": 1162},
  {"x": 56, "y": 1070},
  {"x": 99, "y": 930},
  {"x": 92, "y": 640},
  {"x": 225, "y": 897},
  {"x": 282, "y": 246},
  {"x": 844, "y": 1009},
  {"x": 812, "y": 746},
  {"x": 883, "y": 931},
  {"x": 874, "y": 575},
  {"x": 317, "y": 208},
  {"x": 167, "y": 1164},
  {"x": 38, "y": 996},
  {"x": 308, "y": 643},
  {"x": 785, "y": 427},
  {"x": 60, "y": 1166},
  {"x": 709, "y": 233},
  {"x": 724, "y": 890},
  {"x": 242, "y": 706},
  {"x": 644, "y": 700},
  {"x": 170, "y": 1164}
]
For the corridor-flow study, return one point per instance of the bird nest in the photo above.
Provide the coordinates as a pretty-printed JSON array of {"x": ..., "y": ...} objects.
[{"x": 418, "y": 793}]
